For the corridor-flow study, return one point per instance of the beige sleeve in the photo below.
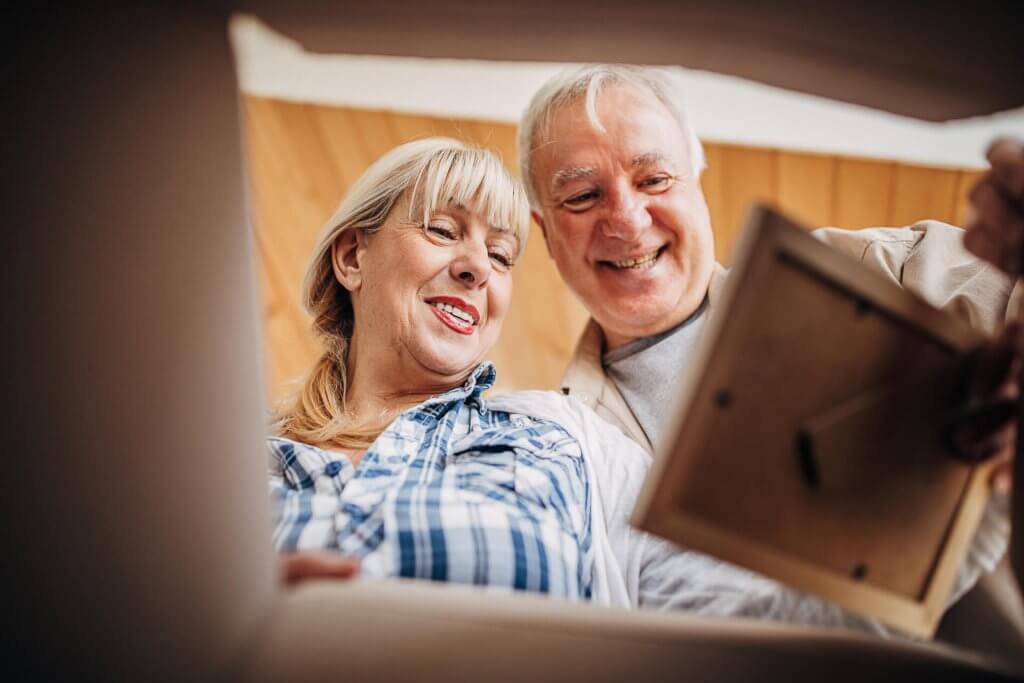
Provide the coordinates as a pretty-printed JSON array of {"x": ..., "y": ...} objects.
[{"x": 928, "y": 258}]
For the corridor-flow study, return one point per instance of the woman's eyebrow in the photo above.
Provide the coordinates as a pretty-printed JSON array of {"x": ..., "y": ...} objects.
[{"x": 506, "y": 232}]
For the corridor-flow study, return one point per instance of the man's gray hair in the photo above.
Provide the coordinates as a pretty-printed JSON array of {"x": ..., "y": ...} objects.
[{"x": 587, "y": 82}]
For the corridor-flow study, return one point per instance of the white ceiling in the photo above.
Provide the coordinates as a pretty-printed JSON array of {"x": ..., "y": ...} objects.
[{"x": 722, "y": 108}]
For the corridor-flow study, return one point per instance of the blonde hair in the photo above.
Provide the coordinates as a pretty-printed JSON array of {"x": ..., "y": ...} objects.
[
  {"x": 586, "y": 83},
  {"x": 435, "y": 172}
]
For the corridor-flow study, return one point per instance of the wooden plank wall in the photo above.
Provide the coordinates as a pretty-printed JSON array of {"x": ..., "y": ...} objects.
[{"x": 303, "y": 157}]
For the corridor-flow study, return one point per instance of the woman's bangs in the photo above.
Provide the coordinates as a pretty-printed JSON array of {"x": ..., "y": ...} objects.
[{"x": 476, "y": 180}]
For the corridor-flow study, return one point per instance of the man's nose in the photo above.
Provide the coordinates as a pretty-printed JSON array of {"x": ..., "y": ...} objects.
[
  {"x": 471, "y": 265},
  {"x": 627, "y": 217}
]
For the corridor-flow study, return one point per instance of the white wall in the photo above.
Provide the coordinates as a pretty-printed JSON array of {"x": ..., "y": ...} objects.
[{"x": 722, "y": 108}]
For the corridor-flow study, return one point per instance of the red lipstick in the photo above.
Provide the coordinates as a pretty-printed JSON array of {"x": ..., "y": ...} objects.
[{"x": 451, "y": 321}]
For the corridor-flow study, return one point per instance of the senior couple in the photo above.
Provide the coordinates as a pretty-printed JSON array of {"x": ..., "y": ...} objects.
[{"x": 391, "y": 462}]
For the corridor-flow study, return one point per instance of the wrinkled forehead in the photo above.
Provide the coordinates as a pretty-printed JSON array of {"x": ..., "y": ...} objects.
[{"x": 626, "y": 125}]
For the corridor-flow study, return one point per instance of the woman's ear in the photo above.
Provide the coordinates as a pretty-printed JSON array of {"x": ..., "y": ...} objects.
[{"x": 346, "y": 257}]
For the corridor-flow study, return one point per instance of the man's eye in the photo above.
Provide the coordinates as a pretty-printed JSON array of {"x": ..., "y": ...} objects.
[
  {"x": 442, "y": 230},
  {"x": 657, "y": 182},
  {"x": 581, "y": 200}
]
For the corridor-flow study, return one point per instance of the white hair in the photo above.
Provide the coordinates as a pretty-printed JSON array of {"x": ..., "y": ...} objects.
[{"x": 586, "y": 82}]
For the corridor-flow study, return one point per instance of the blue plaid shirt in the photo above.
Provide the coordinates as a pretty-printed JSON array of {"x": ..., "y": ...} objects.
[{"x": 451, "y": 491}]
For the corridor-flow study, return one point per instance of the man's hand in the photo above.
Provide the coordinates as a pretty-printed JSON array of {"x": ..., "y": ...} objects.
[
  {"x": 995, "y": 233},
  {"x": 995, "y": 226},
  {"x": 987, "y": 427},
  {"x": 293, "y": 568}
]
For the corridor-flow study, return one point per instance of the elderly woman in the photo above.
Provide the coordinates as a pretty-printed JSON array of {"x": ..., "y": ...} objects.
[{"x": 390, "y": 454}]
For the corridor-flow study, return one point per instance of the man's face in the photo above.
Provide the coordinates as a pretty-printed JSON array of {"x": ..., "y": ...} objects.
[{"x": 623, "y": 215}]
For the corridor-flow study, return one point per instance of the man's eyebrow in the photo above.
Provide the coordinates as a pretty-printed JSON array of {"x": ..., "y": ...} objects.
[
  {"x": 566, "y": 175},
  {"x": 648, "y": 159}
]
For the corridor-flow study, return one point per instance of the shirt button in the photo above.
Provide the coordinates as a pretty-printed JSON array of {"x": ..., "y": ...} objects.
[{"x": 333, "y": 468}]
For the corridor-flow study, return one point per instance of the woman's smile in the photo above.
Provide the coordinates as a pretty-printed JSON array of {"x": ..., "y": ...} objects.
[{"x": 458, "y": 315}]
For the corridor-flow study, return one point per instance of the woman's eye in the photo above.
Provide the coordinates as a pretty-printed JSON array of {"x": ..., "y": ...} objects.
[
  {"x": 502, "y": 258},
  {"x": 442, "y": 231}
]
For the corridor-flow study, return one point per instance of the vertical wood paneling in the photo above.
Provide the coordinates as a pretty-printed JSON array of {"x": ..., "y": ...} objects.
[
  {"x": 923, "y": 193},
  {"x": 806, "y": 187},
  {"x": 290, "y": 204},
  {"x": 373, "y": 131},
  {"x": 344, "y": 152},
  {"x": 712, "y": 183},
  {"x": 863, "y": 193},
  {"x": 542, "y": 325},
  {"x": 458, "y": 129},
  {"x": 302, "y": 158},
  {"x": 749, "y": 176},
  {"x": 409, "y": 127},
  {"x": 965, "y": 181}
]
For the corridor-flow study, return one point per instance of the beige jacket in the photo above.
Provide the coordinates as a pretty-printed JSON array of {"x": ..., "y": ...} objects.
[{"x": 927, "y": 258}]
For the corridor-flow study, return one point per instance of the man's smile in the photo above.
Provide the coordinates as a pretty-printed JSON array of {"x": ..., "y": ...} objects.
[{"x": 640, "y": 262}]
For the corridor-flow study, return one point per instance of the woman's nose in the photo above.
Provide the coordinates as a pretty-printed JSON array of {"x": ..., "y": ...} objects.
[
  {"x": 627, "y": 217},
  {"x": 471, "y": 266}
]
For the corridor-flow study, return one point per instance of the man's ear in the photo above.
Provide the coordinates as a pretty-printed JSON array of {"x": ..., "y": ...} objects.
[
  {"x": 346, "y": 257},
  {"x": 539, "y": 220}
]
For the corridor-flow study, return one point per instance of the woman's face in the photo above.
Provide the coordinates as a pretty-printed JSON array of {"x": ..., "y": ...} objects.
[{"x": 431, "y": 299}]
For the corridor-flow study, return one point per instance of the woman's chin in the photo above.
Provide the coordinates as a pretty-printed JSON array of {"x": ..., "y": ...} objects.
[
  {"x": 449, "y": 362},
  {"x": 456, "y": 371},
  {"x": 442, "y": 355}
]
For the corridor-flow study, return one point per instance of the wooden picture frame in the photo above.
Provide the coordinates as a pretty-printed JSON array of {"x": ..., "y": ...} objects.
[{"x": 809, "y": 441}]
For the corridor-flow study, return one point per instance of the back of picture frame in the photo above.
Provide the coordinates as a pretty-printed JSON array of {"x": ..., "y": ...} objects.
[{"x": 810, "y": 442}]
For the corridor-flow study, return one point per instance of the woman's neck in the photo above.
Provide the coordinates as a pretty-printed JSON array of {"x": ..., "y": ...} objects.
[
  {"x": 366, "y": 406},
  {"x": 380, "y": 388}
]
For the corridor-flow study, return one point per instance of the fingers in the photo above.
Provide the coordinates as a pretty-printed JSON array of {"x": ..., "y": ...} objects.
[
  {"x": 1006, "y": 155},
  {"x": 986, "y": 432},
  {"x": 979, "y": 241},
  {"x": 302, "y": 566},
  {"x": 987, "y": 426},
  {"x": 995, "y": 226},
  {"x": 994, "y": 372},
  {"x": 1001, "y": 479}
]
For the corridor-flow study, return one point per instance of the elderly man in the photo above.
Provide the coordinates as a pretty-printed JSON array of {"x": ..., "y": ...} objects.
[{"x": 612, "y": 170}]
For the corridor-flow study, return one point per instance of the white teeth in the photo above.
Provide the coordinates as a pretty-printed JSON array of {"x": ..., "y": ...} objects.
[
  {"x": 639, "y": 263},
  {"x": 454, "y": 311}
]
